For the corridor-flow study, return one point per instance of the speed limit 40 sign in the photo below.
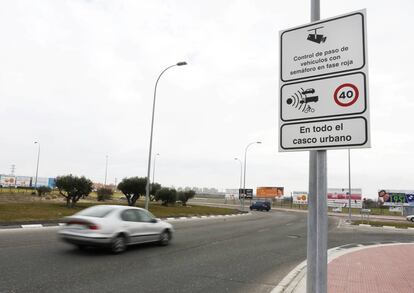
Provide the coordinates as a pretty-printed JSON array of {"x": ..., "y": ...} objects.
[
  {"x": 346, "y": 94},
  {"x": 342, "y": 95}
]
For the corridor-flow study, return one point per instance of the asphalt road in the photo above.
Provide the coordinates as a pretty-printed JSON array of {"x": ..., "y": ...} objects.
[{"x": 240, "y": 254}]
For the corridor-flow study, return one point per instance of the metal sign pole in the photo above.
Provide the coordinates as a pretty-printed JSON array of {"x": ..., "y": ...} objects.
[
  {"x": 349, "y": 187},
  {"x": 317, "y": 210}
]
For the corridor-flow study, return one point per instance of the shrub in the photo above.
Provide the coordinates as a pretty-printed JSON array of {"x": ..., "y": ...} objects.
[
  {"x": 154, "y": 188},
  {"x": 41, "y": 190},
  {"x": 133, "y": 188},
  {"x": 104, "y": 193},
  {"x": 166, "y": 196},
  {"x": 73, "y": 188},
  {"x": 184, "y": 196}
]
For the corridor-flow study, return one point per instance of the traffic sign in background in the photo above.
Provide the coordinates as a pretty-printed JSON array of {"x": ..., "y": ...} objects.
[{"x": 246, "y": 193}]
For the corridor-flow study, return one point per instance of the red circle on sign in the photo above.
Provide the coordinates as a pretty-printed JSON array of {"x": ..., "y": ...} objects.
[{"x": 351, "y": 102}]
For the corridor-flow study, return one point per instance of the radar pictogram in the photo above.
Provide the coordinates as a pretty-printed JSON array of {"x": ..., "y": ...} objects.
[{"x": 300, "y": 100}]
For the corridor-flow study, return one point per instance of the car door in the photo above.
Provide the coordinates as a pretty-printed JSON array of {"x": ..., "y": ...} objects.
[
  {"x": 132, "y": 224},
  {"x": 150, "y": 228}
]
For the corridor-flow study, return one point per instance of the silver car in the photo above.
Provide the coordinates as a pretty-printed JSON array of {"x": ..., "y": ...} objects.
[{"x": 115, "y": 227}]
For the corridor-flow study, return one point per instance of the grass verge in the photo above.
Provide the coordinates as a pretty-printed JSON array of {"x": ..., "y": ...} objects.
[
  {"x": 42, "y": 211},
  {"x": 384, "y": 223}
]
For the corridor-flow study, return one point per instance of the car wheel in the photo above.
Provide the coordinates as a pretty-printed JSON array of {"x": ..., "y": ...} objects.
[
  {"x": 118, "y": 244},
  {"x": 165, "y": 238},
  {"x": 412, "y": 219}
]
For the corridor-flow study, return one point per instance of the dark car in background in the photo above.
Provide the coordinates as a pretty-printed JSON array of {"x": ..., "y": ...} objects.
[{"x": 261, "y": 206}]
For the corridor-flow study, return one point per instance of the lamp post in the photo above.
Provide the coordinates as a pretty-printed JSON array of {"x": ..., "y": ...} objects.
[
  {"x": 245, "y": 163},
  {"x": 241, "y": 174},
  {"x": 153, "y": 168},
  {"x": 152, "y": 130},
  {"x": 37, "y": 164},
  {"x": 241, "y": 171},
  {"x": 106, "y": 169}
]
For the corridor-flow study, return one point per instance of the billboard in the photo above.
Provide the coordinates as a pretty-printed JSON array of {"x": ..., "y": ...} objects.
[
  {"x": 300, "y": 197},
  {"x": 391, "y": 198},
  {"x": 41, "y": 181},
  {"x": 339, "y": 197},
  {"x": 52, "y": 182},
  {"x": 23, "y": 181},
  {"x": 269, "y": 192},
  {"x": 7, "y": 181}
]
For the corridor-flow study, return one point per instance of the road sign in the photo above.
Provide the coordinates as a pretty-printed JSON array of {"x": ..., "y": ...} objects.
[
  {"x": 324, "y": 97},
  {"x": 324, "y": 85},
  {"x": 246, "y": 193},
  {"x": 324, "y": 47},
  {"x": 324, "y": 134}
]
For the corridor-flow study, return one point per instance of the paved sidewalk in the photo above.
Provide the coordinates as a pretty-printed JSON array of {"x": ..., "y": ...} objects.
[{"x": 384, "y": 268}]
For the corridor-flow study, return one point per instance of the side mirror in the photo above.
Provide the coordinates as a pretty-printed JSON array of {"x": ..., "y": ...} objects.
[{"x": 154, "y": 220}]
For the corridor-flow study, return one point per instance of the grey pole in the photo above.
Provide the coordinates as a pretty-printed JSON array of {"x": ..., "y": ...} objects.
[
  {"x": 245, "y": 163},
  {"x": 147, "y": 190},
  {"x": 241, "y": 171},
  {"x": 106, "y": 169},
  {"x": 153, "y": 168},
  {"x": 37, "y": 164},
  {"x": 349, "y": 186},
  {"x": 317, "y": 210},
  {"x": 241, "y": 175}
]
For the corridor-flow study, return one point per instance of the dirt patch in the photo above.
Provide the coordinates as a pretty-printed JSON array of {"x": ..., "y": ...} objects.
[{"x": 27, "y": 197}]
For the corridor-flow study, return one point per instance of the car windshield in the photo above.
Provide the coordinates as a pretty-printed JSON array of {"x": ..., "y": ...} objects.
[{"x": 96, "y": 212}]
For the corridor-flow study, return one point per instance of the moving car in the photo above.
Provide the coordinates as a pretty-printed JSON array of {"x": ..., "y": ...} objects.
[
  {"x": 261, "y": 206},
  {"x": 114, "y": 227},
  {"x": 410, "y": 218}
]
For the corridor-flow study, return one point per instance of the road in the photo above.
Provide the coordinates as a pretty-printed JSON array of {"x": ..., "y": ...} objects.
[
  {"x": 250, "y": 253},
  {"x": 234, "y": 204}
]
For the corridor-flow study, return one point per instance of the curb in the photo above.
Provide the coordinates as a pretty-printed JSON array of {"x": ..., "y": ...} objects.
[
  {"x": 384, "y": 227},
  {"x": 294, "y": 281},
  {"x": 56, "y": 224}
]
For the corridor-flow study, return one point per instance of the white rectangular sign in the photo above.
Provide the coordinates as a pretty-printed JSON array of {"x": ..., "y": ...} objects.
[
  {"x": 324, "y": 85},
  {"x": 341, "y": 95},
  {"x": 324, "y": 134},
  {"x": 324, "y": 47}
]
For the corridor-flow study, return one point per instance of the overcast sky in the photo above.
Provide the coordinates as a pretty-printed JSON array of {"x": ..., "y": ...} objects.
[{"x": 79, "y": 77}]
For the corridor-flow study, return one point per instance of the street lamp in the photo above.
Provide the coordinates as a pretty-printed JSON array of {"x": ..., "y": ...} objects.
[
  {"x": 37, "y": 165},
  {"x": 241, "y": 171},
  {"x": 106, "y": 169},
  {"x": 153, "y": 168},
  {"x": 241, "y": 176},
  {"x": 245, "y": 163},
  {"x": 152, "y": 130}
]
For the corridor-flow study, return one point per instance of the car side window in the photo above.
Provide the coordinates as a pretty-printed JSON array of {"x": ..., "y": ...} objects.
[
  {"x": 129, "y": 216},
  {"x": 143, "y": 216}
]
